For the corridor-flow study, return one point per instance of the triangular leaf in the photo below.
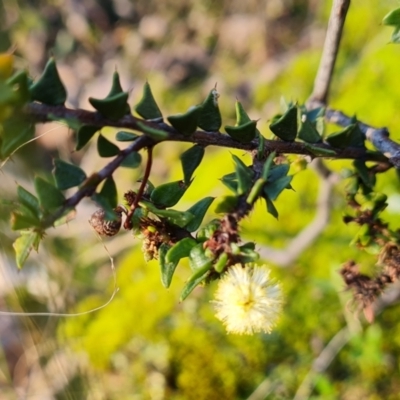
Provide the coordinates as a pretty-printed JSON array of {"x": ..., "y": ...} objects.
[
  {"x": 241, "y": 115},
  {"x": 308, "y": 133},
  {"x": 105, "y": 148},
  {"x": 67, "y": 175},
  {"x": 113, "y": 107},
  {"x": 186, "y": 123},
  {"x": 351, "y": 136},
  {"x": 242, "y": 133},
  {"x": 210, "y": 116},
  {"x": 49, "y": 89},
  {"x": 84, "y": 134},
  {"x": 147, "y": 107},
  {"x": 286, "y": 126},
  {"x": 190, "y": 160},
  {"x": 275, "y": 188}
]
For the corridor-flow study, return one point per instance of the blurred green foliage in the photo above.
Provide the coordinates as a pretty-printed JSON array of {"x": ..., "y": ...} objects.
[{"x": 144, "y": 344}]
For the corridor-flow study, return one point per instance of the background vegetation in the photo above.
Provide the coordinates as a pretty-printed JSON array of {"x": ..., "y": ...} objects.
[{"x": 145, "y": 344}]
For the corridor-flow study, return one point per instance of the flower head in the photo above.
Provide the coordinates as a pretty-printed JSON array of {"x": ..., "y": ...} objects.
[{"x": 247, "y": 300}]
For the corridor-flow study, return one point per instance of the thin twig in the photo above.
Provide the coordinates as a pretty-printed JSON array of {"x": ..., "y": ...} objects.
[
  {"x": 128, "y": 221},
  {"x": 334, "y": 32},
  {"x": 304, "y": 239}
]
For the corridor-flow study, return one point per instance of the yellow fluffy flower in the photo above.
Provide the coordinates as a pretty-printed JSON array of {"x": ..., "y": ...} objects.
[{"x": 247, "y": 300}]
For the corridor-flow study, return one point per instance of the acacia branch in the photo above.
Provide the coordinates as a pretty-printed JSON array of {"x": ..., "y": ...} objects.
[
  {"x": 334, "y": 32},
  {"x": 44, "y": 113}
]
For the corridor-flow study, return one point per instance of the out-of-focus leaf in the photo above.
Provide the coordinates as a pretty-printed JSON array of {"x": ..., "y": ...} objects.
[
  {"x": 133, "y": 160},
  {"x": 275, "y": 188},
  {"x": 227, "y": 205},
  {"x": 23, "y": 221},
  {"x": 392, "y": 18},
  {"x": 220, "y": 264},
  {"x": 49, "y": 196},
  {"x": 348, "y": 137},
  {"x": 24, "y": 245},
  {"x": 49, "y": 89},
  {"x": 16, "y": 132},
  {"x": 308, "y": 133},
  {"x": 30, "y": 201},
  {"x": 369, "y": 179}
]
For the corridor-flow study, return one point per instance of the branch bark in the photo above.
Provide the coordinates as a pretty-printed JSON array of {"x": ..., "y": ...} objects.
[
  {"x": 379, "y": 137},
  {"x": 334, "y": 33}
]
